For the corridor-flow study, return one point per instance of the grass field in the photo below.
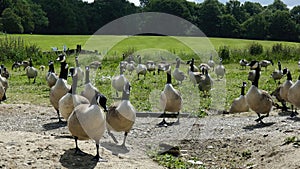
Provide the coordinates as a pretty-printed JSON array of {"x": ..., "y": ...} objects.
[{"x": 121, "y": 43}]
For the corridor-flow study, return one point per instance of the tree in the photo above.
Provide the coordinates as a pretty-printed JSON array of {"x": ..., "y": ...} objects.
[
  {"x": 175, "y": 7},
  {"x": 11, "y": 22},
  {"x": 5, "y": 4},
  {"x": 209, "y": 18},
  {"x": 22, "y": 9},
  {"x": 255, "y": 27},
  {"x": 252, "y": 8},
  {"x": 282, "y": 27},
  {"x": 234, "y": 8},
  {"x": 278, "y": 5},
  {"x": 39, "y": 17},
  {"x": 295, "y": 14},
  {"x": 229, "y": 27}
]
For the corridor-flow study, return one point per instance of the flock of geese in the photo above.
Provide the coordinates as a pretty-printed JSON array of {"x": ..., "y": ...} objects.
[
  {"x": 260, "y": 101},
  {"x": 88, "y": 116}
]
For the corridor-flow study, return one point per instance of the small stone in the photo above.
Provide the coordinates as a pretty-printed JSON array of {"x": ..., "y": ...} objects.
[{"x": 210, "y": 147}]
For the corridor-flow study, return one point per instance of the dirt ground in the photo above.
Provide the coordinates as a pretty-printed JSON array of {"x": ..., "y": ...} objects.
[{"x": 31, "y": 137}]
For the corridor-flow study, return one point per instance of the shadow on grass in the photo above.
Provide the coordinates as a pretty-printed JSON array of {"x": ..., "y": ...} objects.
[
  {"x": 258, "y": 126},
  {"x": 70, "y": 160},
  {"x": 114, "y": 148}
]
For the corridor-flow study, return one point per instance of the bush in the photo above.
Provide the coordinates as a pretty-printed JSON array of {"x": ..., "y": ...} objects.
[
  {"x": 224, "y": 53},
  {"x": 15, "y": 49},
  {"x": 255, "y": 49}
]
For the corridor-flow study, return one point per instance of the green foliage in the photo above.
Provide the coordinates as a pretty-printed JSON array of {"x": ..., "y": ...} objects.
[
  {"x": 224, "y": 53},
  {"x": 172, "y": 162},
  {"x": 255, "y": 49}
]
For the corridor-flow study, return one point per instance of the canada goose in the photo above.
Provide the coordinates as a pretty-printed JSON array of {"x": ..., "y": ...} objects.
[
  {"x": 277, "y": 74},
  {"x": 121, "y": 117},
  {"x": 79, "y": 71},
  {"x": 211, "y": 63},
  {"x": 286, "y": 86},
  {"x": 123, "y": 63},
  {"x": 16, "y": 65},
  {"x": 3, "y": 81},
  {"x": 276, "y": 94},
  {"x": 42, "y": 67},
  {"x": 178, "y": 74},
  {"x": 240, "y": 104},
  {"x": 163, "y": 66},
  {"x": 119, "y": 81},
  {"x": 96, "y": 65},
  {"x": 220, "y": 70},
  {"x": 266, "y": 63},
  {"x": 205, "y": 83},
  {"x": 51, "y": 77},
  {"x": 25, "y": 64},
  {"x": 141, "y": 69},
  {"x": 170, "y": 100},
  {"x": 258, "y": 100},
  {"x": 151, "y": 66},
  {"x": 87, "y": 121},
  {"x": 194, "y": 69},
  {"x": 70, "y": 100},
  {"x": 61, "y": 87},
  {"x": 5, "y": 72},
  {"x": 251, "y": 75},
  {"x": 90, "y": 90},
  {"x": 243, "y": 63},
  {"x": 194, "y": 76},
  {"x": 2, "y": 93},
  {"x": 204, "y": 66},
  {"x": 31, "y": 72},
  {"x": 294, "y": 95},
  {"x": 130, "y": 67}
]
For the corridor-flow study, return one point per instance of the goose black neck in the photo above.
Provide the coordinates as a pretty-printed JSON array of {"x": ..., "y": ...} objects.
[
  {"x": 299, "y": 77},
  {"x": 243, "y": 90},
  {"x": 279, "y": 66},
  {"x": 288, "y": 75},
  {"x": 63, "y": 70},
  {"x": 126, "y": 94},
  {"x": 256, "y": 78},
  {"x": 74, "y": 84},
  {"x": 30, "y": 63},
  {"x": 121, "y": 69},
  {"x": 169, "y": 78},
  {"x": 87, "y": 76},
  {"x": 51, "y": 68},
  {"x": 192, "y": 65},
  {"x": 178, "y": 63}
]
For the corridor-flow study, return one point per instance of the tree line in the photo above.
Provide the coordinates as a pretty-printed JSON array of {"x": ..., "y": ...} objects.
[{"x": 249, "y": 20}]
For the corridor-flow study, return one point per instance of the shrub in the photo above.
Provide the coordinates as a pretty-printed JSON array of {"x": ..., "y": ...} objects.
[
  {"x": 224, "y": 52},
  {"x": 255, "y": 49}
]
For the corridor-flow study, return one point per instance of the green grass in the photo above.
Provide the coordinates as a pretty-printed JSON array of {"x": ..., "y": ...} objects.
[{"x": 121, "y": 43}]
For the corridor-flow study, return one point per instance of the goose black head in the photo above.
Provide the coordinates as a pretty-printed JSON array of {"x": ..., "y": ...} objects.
[
  {"x": 72, "y": 71},
  {"x": 285, "y": 71},
  {"x": 126, "y": 91},
  {"x": 101, "y": 100},
  {"x": 61, "y": 57},
  {"x": 253, "y": 64},
  {"x": 243, "y": 88}
]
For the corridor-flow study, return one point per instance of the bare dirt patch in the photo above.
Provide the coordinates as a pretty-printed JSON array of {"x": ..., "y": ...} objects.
[{"x": 30, "y": 137}]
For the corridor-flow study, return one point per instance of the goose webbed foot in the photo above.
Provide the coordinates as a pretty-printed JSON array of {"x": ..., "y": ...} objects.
[
  {"x": 97, "y": 158},
  {"x": 79, "y": 152},
  {"x": 294, "y": 114},
  {"x": 163, "y": 123}
]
